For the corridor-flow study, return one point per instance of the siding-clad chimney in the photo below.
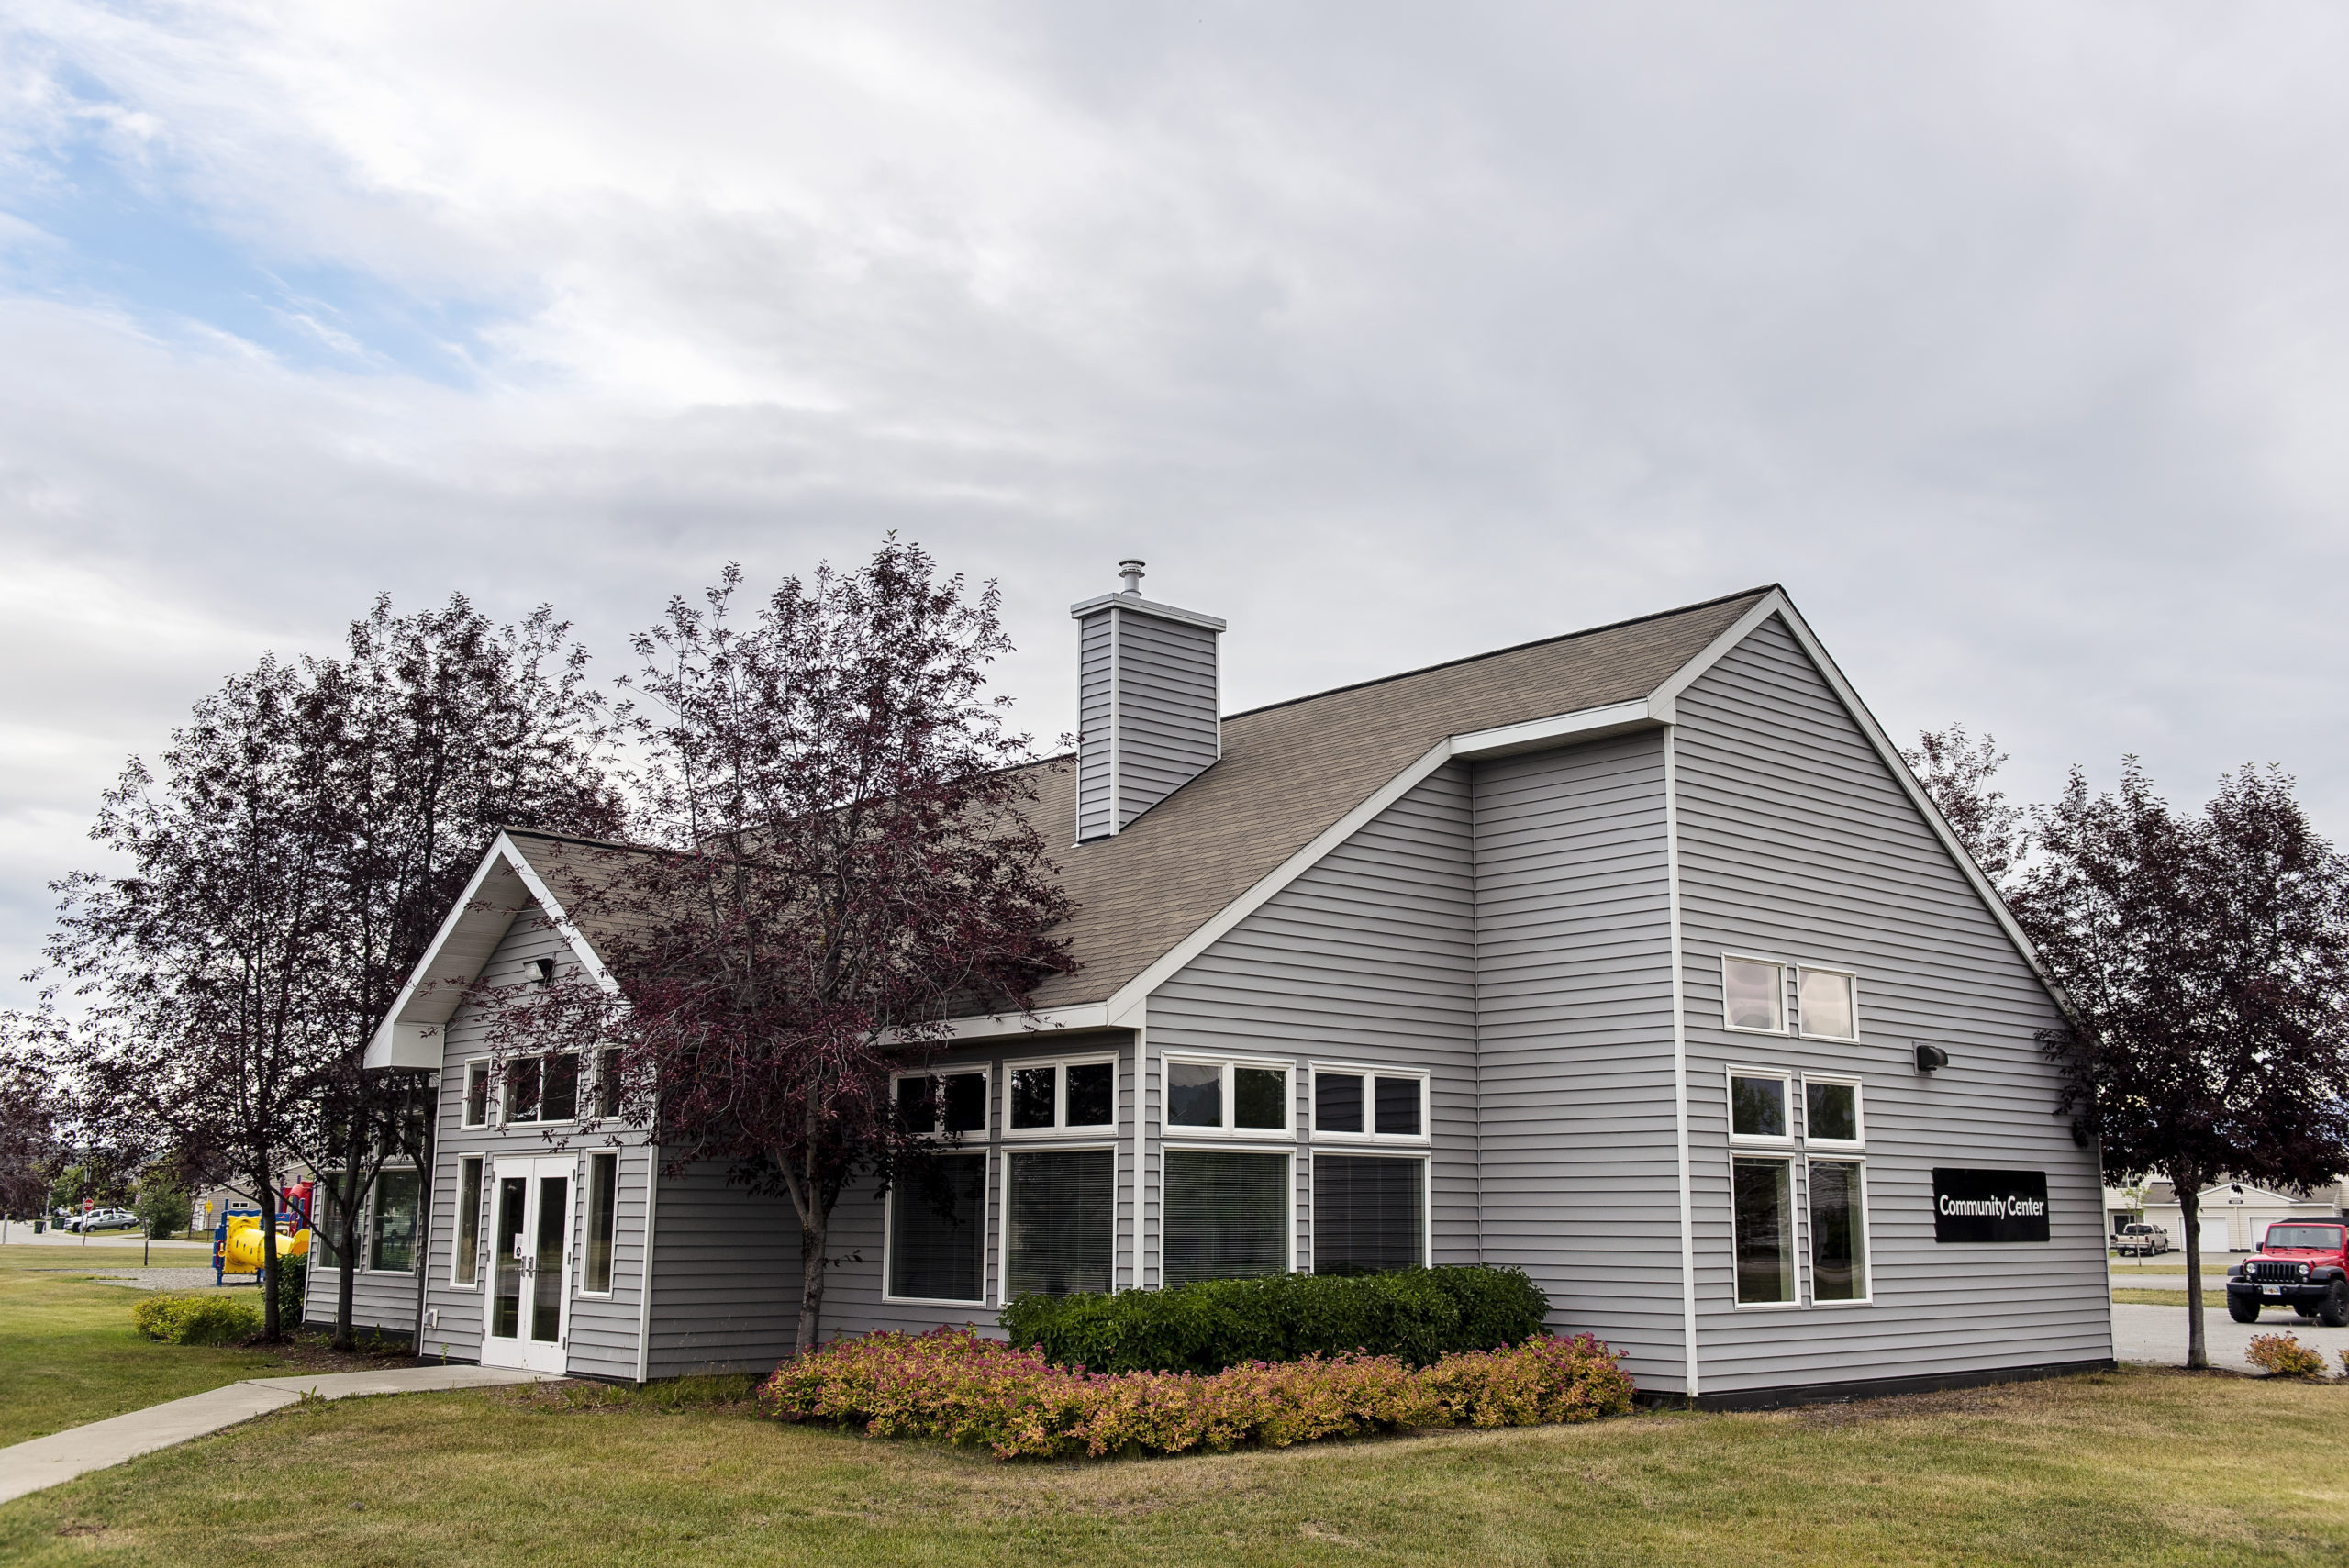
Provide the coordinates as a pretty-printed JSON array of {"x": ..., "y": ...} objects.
[{"x": 1147, "y": 695}]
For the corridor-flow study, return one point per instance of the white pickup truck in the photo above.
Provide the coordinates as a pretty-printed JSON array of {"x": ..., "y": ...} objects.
[{"x": 2141, "y": 1241}]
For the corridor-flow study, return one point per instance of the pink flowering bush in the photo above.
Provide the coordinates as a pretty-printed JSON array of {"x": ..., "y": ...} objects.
[
  {"x": 2283, "y": 1355},
  {"x": 953, "y": 1384}
]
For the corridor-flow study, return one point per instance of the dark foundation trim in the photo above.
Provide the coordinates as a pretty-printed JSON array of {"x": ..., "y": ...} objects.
[{"x": 1883, "y": 1387}]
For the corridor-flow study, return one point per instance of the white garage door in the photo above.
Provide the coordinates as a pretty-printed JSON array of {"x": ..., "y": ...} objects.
[
  {"x": 2260, "y": 1222},
  {"x": 2214, "y": 1233}
]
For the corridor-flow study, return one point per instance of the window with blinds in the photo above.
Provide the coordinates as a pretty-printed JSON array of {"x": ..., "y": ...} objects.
[
  {"x": 937, "y": 1227},
  {"x": 1226, "y": 1216},
  {"x": 1369, "y": 1213},
  {"x": 1060, "y": 1224}
]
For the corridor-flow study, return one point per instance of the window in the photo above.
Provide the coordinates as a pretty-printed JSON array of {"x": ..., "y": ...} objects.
[
  {"x": 938, "y": 1230},
  {"x": 1758, "y": 1107},
  {"x": 476, "y": 1112},
  {"x": 1349, "y": 1103},
  {"x": 1830, "y": 1111},
  {"x": 1060, "y": 1215},
  {"x": 1762, "y": 1195},
  {"x": 603, "y": 1212},
  {"x": 1226, "y": 1216},
  {"x": 464, "y": 1264},
  {"x": 943, "y": 1102},
  {"x": 1753, "y": 995},
  {"x": 1049, "y": 1097},
  {"x": 1839, "y": 1246},
  {"x": 542, "y": 1088},
  {"x": 1226, "y": 1097},
  {"x": 1827, "y": 1002},
  {"x": 1369, "y": 1213},
  {"x": 607, "y": 1082},
  {"x": 391, "y": 1239},
  {"x": 332, "y": 1195}
]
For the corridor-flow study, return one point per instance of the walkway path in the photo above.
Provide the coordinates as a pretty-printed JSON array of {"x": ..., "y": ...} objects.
[{"x": 60, "y": 1456}]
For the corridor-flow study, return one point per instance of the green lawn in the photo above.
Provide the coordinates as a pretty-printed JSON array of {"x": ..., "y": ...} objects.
[
  {"x": 2172, "y": 1264},
  {"x": 69, "y": 1355},
  {"x": 2141, "y": 1468}
]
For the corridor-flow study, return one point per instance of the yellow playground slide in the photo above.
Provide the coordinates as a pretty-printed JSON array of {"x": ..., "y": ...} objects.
[{"x": 240, "y": 1250}]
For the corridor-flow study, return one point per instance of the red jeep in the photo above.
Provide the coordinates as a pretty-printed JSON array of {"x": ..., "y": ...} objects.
[{"x": 2301, "y": 1263}]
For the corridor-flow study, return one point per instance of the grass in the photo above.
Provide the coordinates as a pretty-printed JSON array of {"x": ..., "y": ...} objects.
[
  {"x": 2212, "y": 1470},
  {"x": 2171, "y": 1263},
  {"x": 69, "y": 1355}
]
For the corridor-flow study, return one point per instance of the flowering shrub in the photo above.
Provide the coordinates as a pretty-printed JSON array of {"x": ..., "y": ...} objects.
[
  {"x": 196, "y": 1319},
  {"x": 2283, "y": 1355},
  {"x": 953, "y": 1384}
]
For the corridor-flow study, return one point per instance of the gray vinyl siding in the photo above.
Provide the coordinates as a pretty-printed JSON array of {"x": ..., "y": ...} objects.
[
  {"x": 1095, "y": 745},
  {"x": 1168, "y": 728},
  {"x": 1368, "y": 957},
  {"x": 1796, "y": 842},
  {"x": 725, "y": 1276},
  {"x": 1573, "y": 1010}
]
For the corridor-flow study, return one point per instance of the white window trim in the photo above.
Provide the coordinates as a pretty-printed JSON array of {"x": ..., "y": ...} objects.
[
  {"x": 1286, "y": 1132},
  {"x": 1867, "y": 1240},
  {"x": 987, "y": 1226},
  {"x": 1186, "y": 1145},
  {"x": 1420, "y": 1139},
  {"x": 1781, "y": 965},
  {"x": 581, "y": 1204},
  {"x": 481, "y": 1198},
  {"x": 1425, "y": 1159},
  {"x": 1797, "y": 1238},
  {"x": 1785, "y": 1077},
  {"x": 1060, "y": 1130},
  {"x": 1000, "y": 1278},
  {"x": 578, "y": 1091},
  {"x": 367, "y": 1236},
  {"x": 936, "y": 1129},
  {"x": 1850, "y": 977},
  {"x": 488, "y": 1095},
  {"x": 1832, "y": 1147}
]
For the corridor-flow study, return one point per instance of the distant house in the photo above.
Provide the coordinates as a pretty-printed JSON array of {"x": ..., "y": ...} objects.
[
  {"x": 1608, "y": 957},
  {"x": 2232, "y": 1216}
]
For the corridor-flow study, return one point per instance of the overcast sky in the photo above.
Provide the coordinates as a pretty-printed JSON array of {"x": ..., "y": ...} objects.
[{"x": 2013, "y": 339}]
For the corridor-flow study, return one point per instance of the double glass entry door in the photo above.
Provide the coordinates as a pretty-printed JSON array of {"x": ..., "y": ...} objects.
[{"x": 530, "y": 1264}]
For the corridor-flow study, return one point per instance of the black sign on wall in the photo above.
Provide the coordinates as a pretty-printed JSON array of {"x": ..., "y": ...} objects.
[{"x": 1989, "y": 1206}]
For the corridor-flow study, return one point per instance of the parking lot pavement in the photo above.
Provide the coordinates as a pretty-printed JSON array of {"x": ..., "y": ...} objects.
[{"x": 2158, "y": 1334}]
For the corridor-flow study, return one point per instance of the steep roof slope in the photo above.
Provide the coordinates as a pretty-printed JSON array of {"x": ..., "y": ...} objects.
[{"x": 1291, "y": 769}]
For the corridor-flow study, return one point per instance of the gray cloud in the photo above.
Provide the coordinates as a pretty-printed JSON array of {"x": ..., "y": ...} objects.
[{"x": 2010, "y": 340}]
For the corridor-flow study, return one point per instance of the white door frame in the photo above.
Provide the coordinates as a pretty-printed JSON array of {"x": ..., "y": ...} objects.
[{"x": 522, "y": 1348}]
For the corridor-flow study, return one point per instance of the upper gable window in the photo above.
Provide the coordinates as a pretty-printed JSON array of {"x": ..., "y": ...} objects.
[
  {"x": 1226, "y": 1097},
  {"x": 1828, "y": 1002},
  {"x": 1062, "y": 1097},
  {"x": 1753, "y": 995}
]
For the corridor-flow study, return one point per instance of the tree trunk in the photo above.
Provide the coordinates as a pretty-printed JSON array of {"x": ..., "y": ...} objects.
[
  {"x": 2190, "y": 1209},
  {"x": 812, "y": 1236},
  {"x": 270, "y": 1330}
]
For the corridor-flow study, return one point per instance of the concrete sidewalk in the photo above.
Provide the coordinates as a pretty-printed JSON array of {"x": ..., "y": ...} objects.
[{"x": 60, "y": 1456}]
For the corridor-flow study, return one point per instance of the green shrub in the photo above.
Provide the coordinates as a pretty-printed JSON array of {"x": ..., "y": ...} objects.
[
  {"x": 196, "y": 1319},
  {"x": 2283, "y": 1355},
  {"x": 1416, "y": 1316},
  {"x": 291, "y": 1275},
  {"x": 952, "y": 1384}
]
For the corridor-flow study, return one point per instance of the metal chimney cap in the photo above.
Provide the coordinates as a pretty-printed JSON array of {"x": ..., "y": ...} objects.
[{"x": 1130, "y": 571}]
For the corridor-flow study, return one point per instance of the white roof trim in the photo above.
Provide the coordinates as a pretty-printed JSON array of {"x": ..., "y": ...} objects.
[
  {"x": 1776, "y": 603},
  {"x": 1586, "y": 724},
  {"x": 999, "y": 1025},
  {"x": 1140, "y": 605},
  {"x": 408, "y": 1036}
]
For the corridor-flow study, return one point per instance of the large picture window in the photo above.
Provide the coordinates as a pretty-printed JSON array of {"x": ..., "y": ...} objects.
[
  {"x": 603, "y": 1217},
  {"x": 1226, "y": 1216},
  {"x": 1060, "y": 1217},
  {"x": 391, "y": 1238},
  {"x": 1839, "y": 1247},
  {"x": 938, "y": 1229},
  {"x": 464, "y": 1264},
  {"x": 1369, "y": 1213},
  {"x": 1762, "y": 1196}
]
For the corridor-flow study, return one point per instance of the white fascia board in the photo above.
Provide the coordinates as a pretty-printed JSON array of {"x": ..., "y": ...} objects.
[
  {"x": 406, "y": 1040},
  {"x": 1534, "y": 733},
  {"x": 1776, "y": 603},
  {"x": 1124, "y": 1009},
  {"x": 1135, "y": 602},
  {"x": 1000, "y": 1026}
]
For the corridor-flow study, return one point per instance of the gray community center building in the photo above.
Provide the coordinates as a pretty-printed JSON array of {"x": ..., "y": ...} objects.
[{"x": 1634, "y": 958}]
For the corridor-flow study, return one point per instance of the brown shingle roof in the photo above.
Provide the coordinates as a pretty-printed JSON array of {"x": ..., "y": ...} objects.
[{"x": 1291, "y": 769}]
